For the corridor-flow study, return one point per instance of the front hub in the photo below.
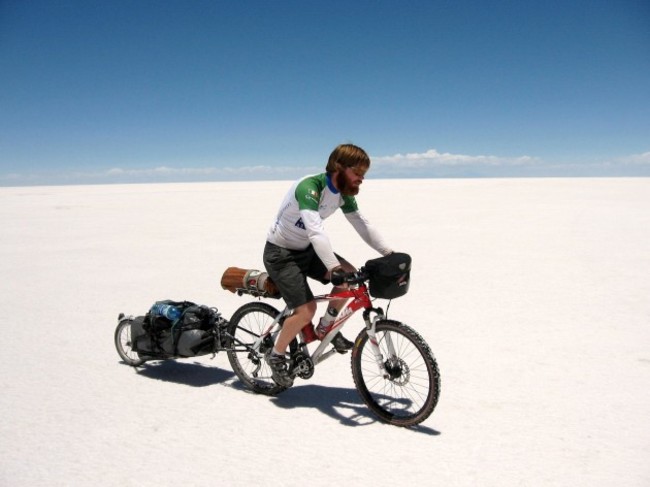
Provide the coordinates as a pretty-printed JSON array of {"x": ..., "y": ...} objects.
[{"x": 398, "y": 371}]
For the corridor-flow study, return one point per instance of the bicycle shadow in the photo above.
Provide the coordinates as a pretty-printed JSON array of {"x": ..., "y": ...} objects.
[
  {"x": 341, "y": 404},
  {"x": 187, "y": 373}
]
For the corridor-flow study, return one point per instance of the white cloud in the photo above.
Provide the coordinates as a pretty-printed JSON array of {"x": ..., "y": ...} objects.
[
  {"x": 190, "y": 172},
  {"x": 641, "y": 159},
  {"x": 156, "y": 171},
  {"x": 433, "y": 158}
]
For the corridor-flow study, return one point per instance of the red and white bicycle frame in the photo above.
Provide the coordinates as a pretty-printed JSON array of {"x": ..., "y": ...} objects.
[{"x": 360, "y": 299}]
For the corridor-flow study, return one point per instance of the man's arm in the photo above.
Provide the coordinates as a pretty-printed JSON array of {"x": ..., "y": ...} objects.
[
  {"x": 368, "y": 232},
  {"x": 318, "y": 238}
]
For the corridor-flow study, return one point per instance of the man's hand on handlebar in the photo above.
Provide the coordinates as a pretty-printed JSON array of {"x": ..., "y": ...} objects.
[{"x": 337, "y": 276}]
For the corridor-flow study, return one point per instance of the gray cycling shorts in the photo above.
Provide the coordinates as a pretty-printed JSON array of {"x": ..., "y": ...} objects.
[{"x": 290, "y": 269}]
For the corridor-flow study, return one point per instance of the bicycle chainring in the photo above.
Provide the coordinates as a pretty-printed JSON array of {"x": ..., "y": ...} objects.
[{"x": 303, "y": 366}]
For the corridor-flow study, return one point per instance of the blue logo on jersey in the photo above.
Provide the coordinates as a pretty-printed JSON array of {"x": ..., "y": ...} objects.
[{"x": 300, "y": 224}]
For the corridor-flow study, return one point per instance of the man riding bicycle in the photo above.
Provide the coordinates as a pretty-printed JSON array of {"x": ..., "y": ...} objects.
[{"x": 297, "y": 247}]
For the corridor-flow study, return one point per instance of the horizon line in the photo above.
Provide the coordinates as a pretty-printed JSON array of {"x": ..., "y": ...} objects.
[{"x": 429, "y": 164}]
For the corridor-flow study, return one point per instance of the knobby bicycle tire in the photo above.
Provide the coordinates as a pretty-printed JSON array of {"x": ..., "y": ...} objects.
[
  {"x": 246, "y": 326},
  {"x": 410, "y": 393}
]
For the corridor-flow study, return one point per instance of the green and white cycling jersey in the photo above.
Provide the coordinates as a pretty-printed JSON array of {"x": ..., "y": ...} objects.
[{"x": 299, "y": 221}]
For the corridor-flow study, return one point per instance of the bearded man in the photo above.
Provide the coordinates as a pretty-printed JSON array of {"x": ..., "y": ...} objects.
[{"x": 297, "y": 247}]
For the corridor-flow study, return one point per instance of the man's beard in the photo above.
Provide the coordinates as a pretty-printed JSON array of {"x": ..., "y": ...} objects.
[{"x": 344, "y": 185}]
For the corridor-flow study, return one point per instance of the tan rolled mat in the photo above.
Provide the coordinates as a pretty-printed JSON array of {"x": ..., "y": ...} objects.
[{"x": 249, "y": 281}]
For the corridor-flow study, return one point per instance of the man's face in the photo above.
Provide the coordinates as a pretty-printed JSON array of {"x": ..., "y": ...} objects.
[{"x": 349, "y": 180}]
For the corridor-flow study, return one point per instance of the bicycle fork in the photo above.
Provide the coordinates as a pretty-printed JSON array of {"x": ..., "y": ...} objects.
[{"x": 371, "y": 330}]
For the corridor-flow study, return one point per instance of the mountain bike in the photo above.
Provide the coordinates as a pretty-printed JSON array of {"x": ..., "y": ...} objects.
[{"x": 393, "y": 368}]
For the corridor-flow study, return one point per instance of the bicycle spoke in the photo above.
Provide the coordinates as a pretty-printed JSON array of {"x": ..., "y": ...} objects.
[{"x": 246, "y": 327}]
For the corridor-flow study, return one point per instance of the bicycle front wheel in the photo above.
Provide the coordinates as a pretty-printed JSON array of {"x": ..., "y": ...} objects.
[
  {"x": 407, "y": 393},
  {"x": 246, "y": 326}
]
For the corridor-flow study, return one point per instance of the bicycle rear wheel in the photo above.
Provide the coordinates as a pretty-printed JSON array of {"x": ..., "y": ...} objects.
[
  {"x": 246, "y": 326},
  {"x": 410, "y": 392}
]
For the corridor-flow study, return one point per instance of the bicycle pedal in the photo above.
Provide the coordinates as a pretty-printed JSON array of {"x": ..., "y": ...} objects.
[{"x": 341, "y": 344}]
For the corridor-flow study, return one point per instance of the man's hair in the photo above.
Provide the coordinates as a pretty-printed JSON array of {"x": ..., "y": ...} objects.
[{"x": 347, "y": 155}]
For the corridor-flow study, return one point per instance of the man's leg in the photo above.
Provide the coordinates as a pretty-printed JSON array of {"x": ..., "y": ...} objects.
[
  {"x": 292, "y": 325},
  {"x": 289, "y": 269},
  {"x": 341, "y": 343},
  {"x": 338, "y": 304},
  {"x": 301, "y": 316}
]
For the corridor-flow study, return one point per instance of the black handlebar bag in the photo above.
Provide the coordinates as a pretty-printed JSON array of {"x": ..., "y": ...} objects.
[{"x": 389, "y": 276}]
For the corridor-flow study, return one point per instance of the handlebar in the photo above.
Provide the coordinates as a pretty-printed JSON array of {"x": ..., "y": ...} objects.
[{"x": 357, "y": 277}]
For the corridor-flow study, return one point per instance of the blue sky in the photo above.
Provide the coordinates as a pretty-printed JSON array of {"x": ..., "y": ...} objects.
[{"x": 139, "y": 91}]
